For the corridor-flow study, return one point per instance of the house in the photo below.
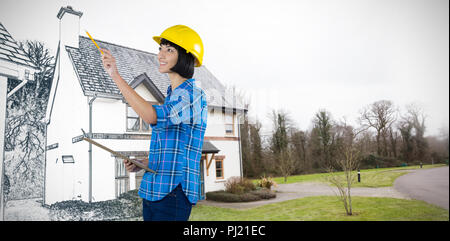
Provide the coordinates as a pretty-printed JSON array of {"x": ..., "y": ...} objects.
[
  {"x": 14, "y": 64},
  {"x": 83, "y": 96}
]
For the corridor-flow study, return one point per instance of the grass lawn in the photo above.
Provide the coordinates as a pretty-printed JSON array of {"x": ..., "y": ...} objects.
[
  {"x": 379, "y": 177},
  {"x": 330, "y": 208},
  {"x": 327, "y": 208}
]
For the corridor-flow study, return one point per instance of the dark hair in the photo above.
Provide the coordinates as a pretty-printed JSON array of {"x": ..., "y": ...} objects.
[{"x": 185, "y": 62}]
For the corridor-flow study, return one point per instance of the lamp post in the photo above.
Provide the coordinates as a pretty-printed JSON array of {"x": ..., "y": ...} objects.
[{"x": 359, "y": 175}]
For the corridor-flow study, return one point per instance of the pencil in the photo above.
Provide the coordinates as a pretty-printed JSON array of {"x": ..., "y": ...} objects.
[{"x": 94, "y": 41}]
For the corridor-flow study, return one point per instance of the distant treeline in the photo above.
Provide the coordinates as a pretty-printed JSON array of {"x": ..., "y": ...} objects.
[{"x": 384, "y": 137}]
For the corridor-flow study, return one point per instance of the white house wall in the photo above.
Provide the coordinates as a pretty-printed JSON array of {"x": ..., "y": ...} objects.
[
  {"x": 216, "y": 124},
  {"x": 69, "y": 115},
  {"x": 109, "y": 116},
  {"x": 231, "y": 165},
  {"x": 229, "y": 148}
]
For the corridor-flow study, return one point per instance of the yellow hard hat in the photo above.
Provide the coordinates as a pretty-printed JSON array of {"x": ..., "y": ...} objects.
[{"x": 186, "y": 38}]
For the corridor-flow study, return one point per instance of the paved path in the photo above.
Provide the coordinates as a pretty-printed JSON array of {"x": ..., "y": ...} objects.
[
  {"x": 305, "y": 189},
  {"x": 429, "y": 185},
  {"x": 26, "y": 210}
]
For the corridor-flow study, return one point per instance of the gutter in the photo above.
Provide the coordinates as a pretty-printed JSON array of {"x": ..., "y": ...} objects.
[
  {"x": 240, "y": 143},
  {"x": 90, "y": 147}
]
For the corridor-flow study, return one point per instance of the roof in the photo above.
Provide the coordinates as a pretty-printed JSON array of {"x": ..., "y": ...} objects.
[
  {"x": 10, "y": 50},
  {"x": 132, "y": 64},
  {"x": 208, "y": 147}
]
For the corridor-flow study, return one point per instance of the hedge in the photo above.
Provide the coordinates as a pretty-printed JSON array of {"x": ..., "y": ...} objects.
[{"x": 256, "y": 195}]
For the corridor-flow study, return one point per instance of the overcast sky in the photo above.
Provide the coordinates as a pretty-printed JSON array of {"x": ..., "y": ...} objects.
[{"x": 299, "y": 56}]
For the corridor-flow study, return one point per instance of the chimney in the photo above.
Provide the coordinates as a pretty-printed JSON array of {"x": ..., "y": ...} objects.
[{"x": 69, "y": 26}]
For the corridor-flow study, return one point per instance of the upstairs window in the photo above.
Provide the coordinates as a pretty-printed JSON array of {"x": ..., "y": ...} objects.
[{"x": 229, "y": 124}]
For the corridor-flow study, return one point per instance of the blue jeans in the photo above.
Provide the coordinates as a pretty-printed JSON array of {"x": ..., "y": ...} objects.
[{"x": 173, "y": 207}]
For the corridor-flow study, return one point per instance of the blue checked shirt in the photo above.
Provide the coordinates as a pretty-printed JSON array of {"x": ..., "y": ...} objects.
[{"x": 176, "y": 144}]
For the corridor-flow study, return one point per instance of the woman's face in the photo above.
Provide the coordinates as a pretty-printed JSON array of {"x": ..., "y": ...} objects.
[{"x": 167, "y": 58}]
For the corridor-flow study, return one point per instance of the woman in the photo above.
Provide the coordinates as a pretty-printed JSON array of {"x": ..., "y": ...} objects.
[{"x": 178, "y": 127}]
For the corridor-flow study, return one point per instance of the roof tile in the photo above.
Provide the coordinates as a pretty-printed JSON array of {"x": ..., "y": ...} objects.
[{"x": 11, "y": 51}]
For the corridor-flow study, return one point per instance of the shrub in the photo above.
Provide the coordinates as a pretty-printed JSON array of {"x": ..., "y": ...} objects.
[
  {"x": 375, "y": 161},
  {"x": 239, "y": 189},
  {"x": 264, "y": 193},
  {"x": 266, "y": 182},
  {"x": 238, "y": 185},
  {"x": 255, "y": 195}
]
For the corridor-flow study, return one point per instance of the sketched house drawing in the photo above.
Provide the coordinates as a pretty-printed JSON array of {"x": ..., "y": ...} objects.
[
  {"x": 83, "y": 96},
  {"x": 14, "y": 65}
]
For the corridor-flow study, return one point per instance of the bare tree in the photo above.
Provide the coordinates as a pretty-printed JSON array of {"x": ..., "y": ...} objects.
[
  {"x": 298, "y": 141},
  {"x": 413, "y": 130},
  {"x": 286, "y": 163},
  {"x": 380, "y": 115},
  {"x": 418, "y": 119},
  {"x": 393, "y": 137},
  {"x": 348, "y": 160},
  {"x": 405, "y": 127}
]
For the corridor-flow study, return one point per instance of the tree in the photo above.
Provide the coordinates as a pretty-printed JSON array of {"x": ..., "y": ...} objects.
[
  {"x": 393, "y": 138},
  {"x": 418, "y": 121},
  {"x": 256, "y": 149},
  {"x": 323, "y": 126},
  {"x": 413, "y": 128},
  {"x": 348, "y": 160},
  {"x": 246, "y": 147},
  {"x": 24, "y": 134},
  {"x": 280, "y": 143},
  {"x": 286, "y": 163},
  {"x": 380, "y": 115},
  {"x": 299, "y": 142},
  {"x": 405, "y": 127}
]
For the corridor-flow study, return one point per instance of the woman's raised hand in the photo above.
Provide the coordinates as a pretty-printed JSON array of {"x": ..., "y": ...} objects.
[{"x": 109, "y": 63}]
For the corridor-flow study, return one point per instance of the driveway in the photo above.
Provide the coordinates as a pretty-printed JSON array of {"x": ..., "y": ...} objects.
[{"x": 429, "y": 185}]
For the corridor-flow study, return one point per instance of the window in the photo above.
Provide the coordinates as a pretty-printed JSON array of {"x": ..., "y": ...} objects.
[
  {"x": 134, "y": 122},
  {"x": 219, "y": 169},
  {"x": 122, "y": 178},
  {"x": 229, "y": 124},
  {"x": 68, "y": 159}
]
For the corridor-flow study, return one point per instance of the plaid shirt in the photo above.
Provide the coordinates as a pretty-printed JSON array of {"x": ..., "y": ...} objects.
[{"x": 176, "y": 144}]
